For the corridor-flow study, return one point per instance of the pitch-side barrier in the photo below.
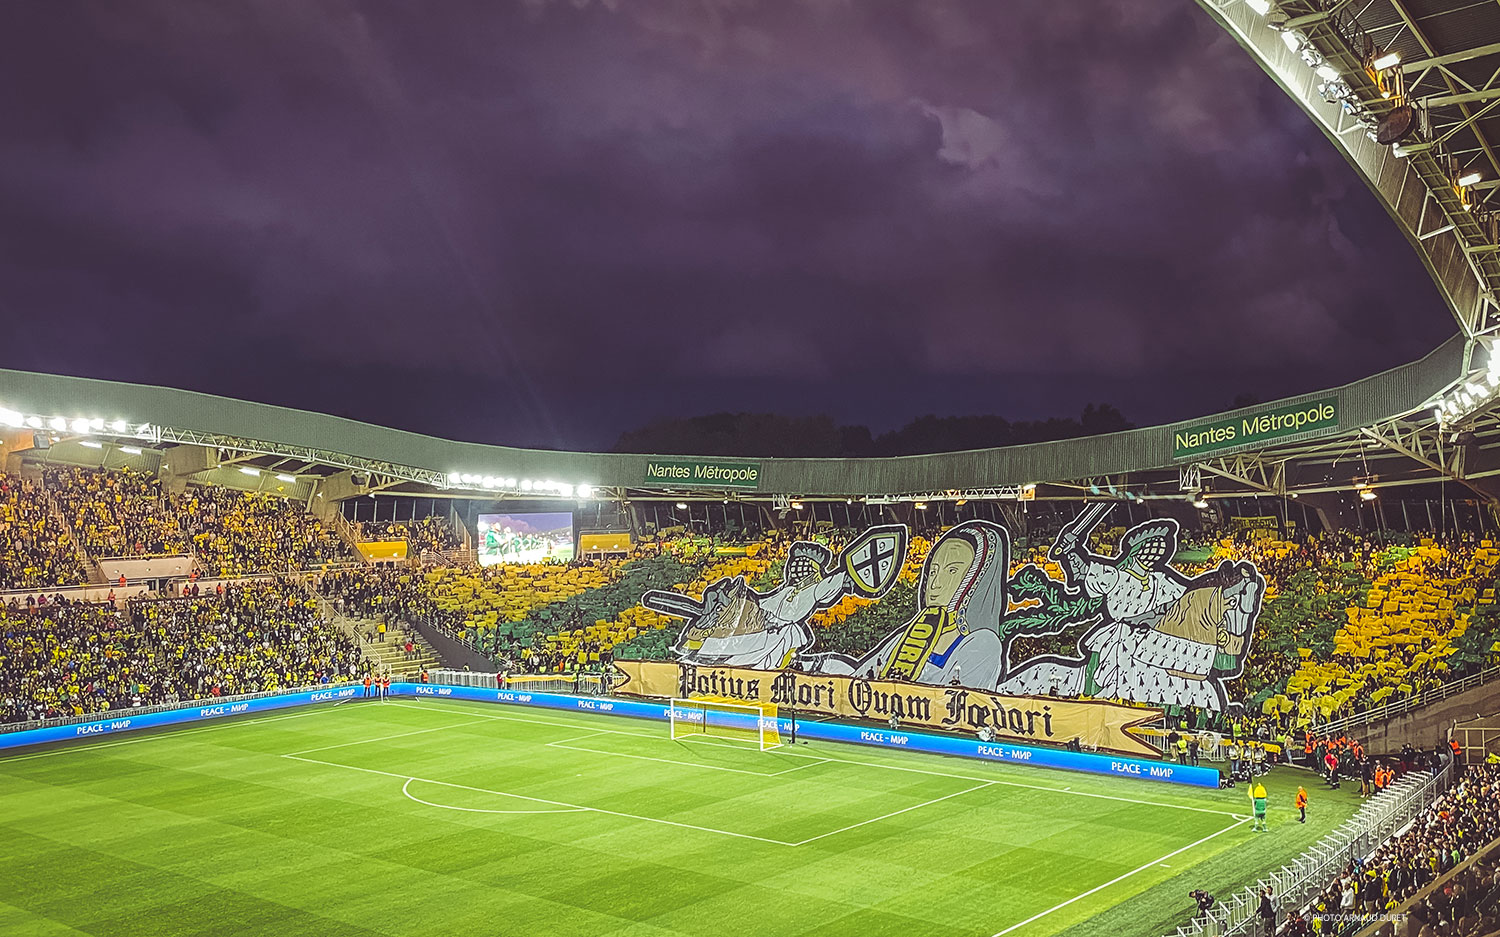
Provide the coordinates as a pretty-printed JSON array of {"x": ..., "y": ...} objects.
[{"x": 657, "y": 710}]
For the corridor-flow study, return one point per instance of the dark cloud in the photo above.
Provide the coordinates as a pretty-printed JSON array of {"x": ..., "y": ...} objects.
[{"x": 544, "y": 222}]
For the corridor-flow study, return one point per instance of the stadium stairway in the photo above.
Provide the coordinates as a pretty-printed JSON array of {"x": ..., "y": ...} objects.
[
  {"x": 390, "y": 655},
  {"x": 347, "y": 534}
]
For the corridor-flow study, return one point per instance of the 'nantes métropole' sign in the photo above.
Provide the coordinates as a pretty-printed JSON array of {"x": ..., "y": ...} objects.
[
  {"x": 1096, "y": 723},
  {"x": 1256, "y": 428},
  {"x": 702, "y": 473}
]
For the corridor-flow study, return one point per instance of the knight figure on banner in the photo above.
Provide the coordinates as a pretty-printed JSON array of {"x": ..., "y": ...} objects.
[{"x": 1148, "y": 633}]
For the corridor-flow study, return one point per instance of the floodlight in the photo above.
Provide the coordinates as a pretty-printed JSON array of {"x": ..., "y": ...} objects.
[
  {"x": 1327, "y": 72},
  {"x": 1199, "y": 501},
  {"x": 585, "y": 491},
  {"x": 796, "y": 505},
  {"x": 1368, "y": 494},
  {"x": 921, "y": 505},
  {"x": 58, "y": 423},
  {"x": 11, "y": 418},
  {"x": 80, "y": 425},
  {"x": 1389, "y": 60},
  {"x": 1261, "y": 7},
  {"x": 119, "y": 426},
  {"x": 682, "y": 505},
  {"x": 1470, "y": 178},
  {"x": 35, "y": 422},
  {"x": 1293, "y": 39}
]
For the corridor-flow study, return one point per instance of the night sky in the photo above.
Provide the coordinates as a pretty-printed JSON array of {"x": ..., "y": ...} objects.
[{"x": 543, "y": 222}]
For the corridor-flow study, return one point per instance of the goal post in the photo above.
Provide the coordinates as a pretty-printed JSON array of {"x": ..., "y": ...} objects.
[{"x": 721, "y": 718}]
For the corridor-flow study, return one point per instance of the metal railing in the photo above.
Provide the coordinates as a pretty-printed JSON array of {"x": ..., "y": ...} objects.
[
  {"x": 1298, "y": 882},
  {"x": 458, "y": 557},
  {"x": 580, "y": 684},
  {"x": 104, "y": 715},
  {"x": 1401, "y": 707}
]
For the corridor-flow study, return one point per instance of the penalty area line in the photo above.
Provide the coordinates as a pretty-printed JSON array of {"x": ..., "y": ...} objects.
[
  {"x": 1160, "y": 860},
  {"x": 827, "y": 758}
]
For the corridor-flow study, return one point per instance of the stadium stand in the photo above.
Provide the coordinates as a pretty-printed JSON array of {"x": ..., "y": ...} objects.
[
  {"x": 1460, "y": 823},
  {"x": 425, "y": 534},
  {"x": 240, "y": 533},
  {"x": 35, "y": 550},
  {"x": 75, "y": 658},
  {"x": 123, "y": 513}
]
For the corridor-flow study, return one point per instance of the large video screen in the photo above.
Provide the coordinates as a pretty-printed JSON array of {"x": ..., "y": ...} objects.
[{"x": 525, "y": 538}]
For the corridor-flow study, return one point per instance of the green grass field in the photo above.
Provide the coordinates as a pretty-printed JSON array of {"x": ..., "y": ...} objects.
[{"x": 409, "y": 817}]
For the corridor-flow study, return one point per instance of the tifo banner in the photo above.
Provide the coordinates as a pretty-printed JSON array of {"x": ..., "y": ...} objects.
[
  {"x": 1137, "y": 628},
  {"x": 702, "y": 473},
  {"x": 1255, "y": 429},
  {"x": 1093, "y": 723}
]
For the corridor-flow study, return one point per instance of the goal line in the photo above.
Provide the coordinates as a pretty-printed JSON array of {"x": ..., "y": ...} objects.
[{"x": 734, "y": 720}]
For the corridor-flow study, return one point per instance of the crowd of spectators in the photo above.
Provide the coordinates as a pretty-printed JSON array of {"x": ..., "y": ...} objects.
[
  {"x": 117, "y": 513},
  {"x": 35, "y": 553},
  {"x": 424, "y": 534},
  {"x": 1461, "y": 822},
  {"x": 75, "y": 658},
  {"x": 241, "y": 533}
]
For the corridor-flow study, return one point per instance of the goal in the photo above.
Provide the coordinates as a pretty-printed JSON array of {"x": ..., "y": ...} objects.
[{"x": 735, "y": 720}]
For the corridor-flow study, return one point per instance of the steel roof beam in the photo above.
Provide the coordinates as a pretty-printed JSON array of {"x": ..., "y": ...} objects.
[
  {"x": 1450, "y": 58},
  {"x": 1467, "y": 97}
]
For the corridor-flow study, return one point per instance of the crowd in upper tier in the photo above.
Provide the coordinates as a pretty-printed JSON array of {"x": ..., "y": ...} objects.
[
  {"x": 51, "y": 528},
  {"x": 76, "y": 658},
  {"x": 36, "y": 552},
  {"x": 122, "y": 513},
  {"x": 423, "y": 535},
  {"x": 241, "y": 533}
]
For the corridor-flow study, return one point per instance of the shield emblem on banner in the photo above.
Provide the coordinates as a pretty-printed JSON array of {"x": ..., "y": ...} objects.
[{"x": 872, "y": 561}]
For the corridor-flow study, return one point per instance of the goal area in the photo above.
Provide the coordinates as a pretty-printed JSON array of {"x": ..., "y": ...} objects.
[{"x": 721, "y": 718}]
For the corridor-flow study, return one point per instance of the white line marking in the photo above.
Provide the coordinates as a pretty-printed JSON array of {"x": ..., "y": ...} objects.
[
  {"x": 540, "y": 800},
  {"x": 102, "y": 743},
  {"x": 851, "y": 761},
  {"x": 405, "y": 790},
  {"x": 665, "y": 761},
  {"x": 1119, "y": 878},
  {"x": 686, "y": 764},
  {"x": 810, "y": 764},
  {"x": 894, "y": 813},
  {"x": 383, "y": 738}
]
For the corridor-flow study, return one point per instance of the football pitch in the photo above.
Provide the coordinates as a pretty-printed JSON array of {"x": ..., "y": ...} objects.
[{"x": 406, "y": 817}]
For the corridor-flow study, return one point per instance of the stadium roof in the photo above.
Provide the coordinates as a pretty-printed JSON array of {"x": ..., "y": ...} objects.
[
  {"x": 1425, "y": 73},
  {"x": 1385, "y": 417}
]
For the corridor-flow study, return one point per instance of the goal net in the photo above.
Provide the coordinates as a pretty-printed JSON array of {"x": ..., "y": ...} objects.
[{"x": 717, "y": 717}]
